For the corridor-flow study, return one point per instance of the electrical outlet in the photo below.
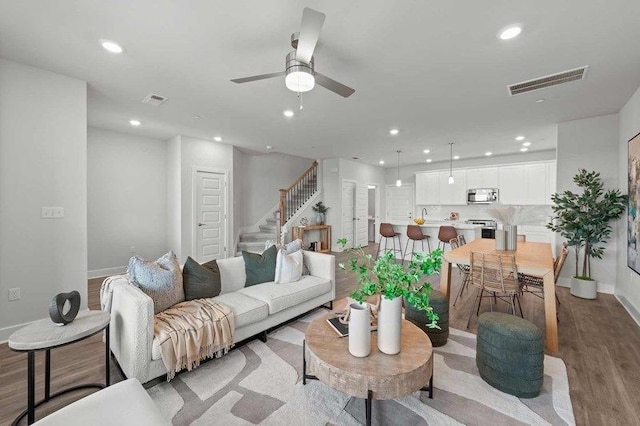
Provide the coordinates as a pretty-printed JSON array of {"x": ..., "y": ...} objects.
[
  {"x": 58, "y": 212},
  {"x": 52, "y": 212},
  {"x": 14, "y": 294}
]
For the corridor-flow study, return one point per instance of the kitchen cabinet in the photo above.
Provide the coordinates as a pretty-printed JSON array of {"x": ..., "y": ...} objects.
[
  {"x": 485, "y": 177},
  {"x": 527, "y": 184},
  {"x": 551, "y": 181},
  {"x": 456, "y": 193},
  {"x": 511, "y": 184},
  {"x": 535, "y": 184},
  {"x": 536, "y": 233},
  {"x": 427, "y": 188}
]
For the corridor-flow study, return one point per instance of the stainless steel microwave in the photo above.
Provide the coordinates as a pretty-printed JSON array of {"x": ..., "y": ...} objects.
[{"x": 482, "y": 196}]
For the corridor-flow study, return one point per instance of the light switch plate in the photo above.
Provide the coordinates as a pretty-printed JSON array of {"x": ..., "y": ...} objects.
[{"x": 52, "y": 212}]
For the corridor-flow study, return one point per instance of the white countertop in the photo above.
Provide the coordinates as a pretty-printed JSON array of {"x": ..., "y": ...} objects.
[{"x": 458, "y": 224}]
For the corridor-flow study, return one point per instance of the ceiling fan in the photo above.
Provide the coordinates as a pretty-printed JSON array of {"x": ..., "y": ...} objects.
[{"x": 300, "y": 75}]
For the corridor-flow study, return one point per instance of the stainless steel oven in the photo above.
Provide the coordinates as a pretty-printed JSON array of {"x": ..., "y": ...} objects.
[{"x": 488, "y": 229}]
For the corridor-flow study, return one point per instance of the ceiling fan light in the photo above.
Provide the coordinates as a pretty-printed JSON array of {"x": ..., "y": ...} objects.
[{"x": 300, "y": 81}]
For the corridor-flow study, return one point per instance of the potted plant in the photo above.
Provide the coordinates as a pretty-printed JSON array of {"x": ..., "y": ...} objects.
[
  {"x": 583, "y": 219},
  {"x": 393, "y": 281},
  {"x": 320, "y": 210}
]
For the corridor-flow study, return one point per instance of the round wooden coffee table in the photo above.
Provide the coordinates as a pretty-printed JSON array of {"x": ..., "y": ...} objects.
[{"x": 326, "y": 358}]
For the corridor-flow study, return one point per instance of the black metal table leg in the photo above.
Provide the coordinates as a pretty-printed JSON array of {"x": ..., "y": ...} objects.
[
  {"x": 47, "y": 375},
  {"x": 107, "y": 379},
  {"x": 31, "y": 392},
  {"x": 305, "y": 376},
  {"x": 367, "y": 407}
]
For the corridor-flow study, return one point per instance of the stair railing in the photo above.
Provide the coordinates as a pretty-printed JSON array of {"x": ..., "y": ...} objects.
[{"x": 294, "y": 197}]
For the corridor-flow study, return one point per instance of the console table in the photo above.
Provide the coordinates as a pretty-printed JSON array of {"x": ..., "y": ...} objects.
[{"x": 325, "y": 235}]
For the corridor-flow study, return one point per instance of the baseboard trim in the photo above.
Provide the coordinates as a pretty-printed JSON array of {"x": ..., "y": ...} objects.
[
  {"x": 605, "y": 288},
  {"x": 629, "y": 307},
  {"x": 99, "y": 273}
]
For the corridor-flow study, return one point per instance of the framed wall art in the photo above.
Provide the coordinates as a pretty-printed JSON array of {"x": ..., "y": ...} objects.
[{"x": 633, "y": 210}]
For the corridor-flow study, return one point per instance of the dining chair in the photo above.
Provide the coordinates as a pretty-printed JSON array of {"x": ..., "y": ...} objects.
[
  {"x": 464, "y": 269},
  {"x": 496, "y": 275},
  {"x": 414, "y": 233},
  {"x": 386, "y": 232},
  {"x": 535, "y": 285}
]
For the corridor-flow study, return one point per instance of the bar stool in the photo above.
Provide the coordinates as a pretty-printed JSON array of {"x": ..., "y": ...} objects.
[
  {"x": 414, "y": 233},
  {"x": 386, "y": 232},
  {"x": 445, "y": 234}
]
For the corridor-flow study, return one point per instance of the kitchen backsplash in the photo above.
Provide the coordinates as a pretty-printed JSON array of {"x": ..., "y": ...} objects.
[{"x": 542, "y": 214}]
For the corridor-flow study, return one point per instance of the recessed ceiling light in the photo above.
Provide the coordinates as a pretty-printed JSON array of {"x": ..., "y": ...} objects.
[
  {"x": 488, "y": 153},
  {"x": 456, "y": 157},
  {"x": 287, "y": 113},
  {"x": 426, "y": 151},
  {"x": 381, "y": 162},
  {"x": 519, "y": 138},
  {"x": 196, "y": 117},
  {"x": 429, "y": 160},
  {"x": 111, "y": 46},
  {"x": 394, "y": 131},
  {"x": 510, "y": 32},
  {"x": 269, "y": 147},
  {"x": 524, "y": 149},
  {"x": 526, "y": 144},
  {"x": 539, "y": 101},
  {"x": 217, "y": 138},
  {"x": 135, "y": 123}
]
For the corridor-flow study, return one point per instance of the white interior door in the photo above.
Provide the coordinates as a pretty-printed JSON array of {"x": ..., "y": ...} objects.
[
  {"x": 400, "y": 204},
  {"x": 210, "y": 216},
  {"x": 362, "y": 215},
  {"x": 348, "y": 212}
]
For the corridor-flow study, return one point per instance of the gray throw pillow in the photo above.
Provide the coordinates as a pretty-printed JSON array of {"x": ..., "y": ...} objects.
[
  {"x": 201, "y": 281},
  {"x": 161, "y": 280},
  {"x": 260, "y": 268}
]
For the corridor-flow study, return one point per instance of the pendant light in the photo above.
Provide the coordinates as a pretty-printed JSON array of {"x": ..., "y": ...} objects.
[
  {"x": 398, "y": 182},
  {"x": 451, "y": 180}
]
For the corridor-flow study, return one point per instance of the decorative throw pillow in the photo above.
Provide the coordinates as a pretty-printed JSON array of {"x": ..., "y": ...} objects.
[
  {"x": 292, "y": 247},
  {"x": 260, "y": 268},
  {"x": 200, "y": 281},
  {"x": 161, "y": 280},
  {"x": 290, "y": 267}
]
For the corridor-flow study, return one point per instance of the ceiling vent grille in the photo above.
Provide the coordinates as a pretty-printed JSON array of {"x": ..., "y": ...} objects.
[
  {"x": 548, "y": 81},
  {"x": 154, "y": 99}
]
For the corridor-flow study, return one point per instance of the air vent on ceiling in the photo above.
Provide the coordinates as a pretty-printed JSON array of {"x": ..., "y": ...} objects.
[
  {"x": 154, "y": 99},
  {"x": 548, "y": 81}
]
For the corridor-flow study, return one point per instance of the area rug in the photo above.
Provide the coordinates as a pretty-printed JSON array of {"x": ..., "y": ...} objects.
[{"x": 260, "y": 383}]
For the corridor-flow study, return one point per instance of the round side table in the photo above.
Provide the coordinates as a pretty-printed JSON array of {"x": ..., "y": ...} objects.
[
  {"x": 44, "y": 335},
  {"x": 378, "y": 376}
]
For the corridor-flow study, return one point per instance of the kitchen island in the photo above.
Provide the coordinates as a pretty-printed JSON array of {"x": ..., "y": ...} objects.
[{"x": 431, "y": 228}]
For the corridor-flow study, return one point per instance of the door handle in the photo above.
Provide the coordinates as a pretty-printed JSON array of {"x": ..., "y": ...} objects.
[{"x": 201, "y": 224}]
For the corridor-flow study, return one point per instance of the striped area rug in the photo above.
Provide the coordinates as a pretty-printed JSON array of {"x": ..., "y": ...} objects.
[{"x": 260, "y": 383}]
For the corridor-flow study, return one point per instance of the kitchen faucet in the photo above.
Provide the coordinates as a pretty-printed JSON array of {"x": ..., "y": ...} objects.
[{"x": 424, "y": 212}]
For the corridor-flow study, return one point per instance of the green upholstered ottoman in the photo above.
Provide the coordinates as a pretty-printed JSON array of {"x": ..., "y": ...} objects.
[
  {"x": 510, "y": 354},
  {"x": 440, "y": 304}
]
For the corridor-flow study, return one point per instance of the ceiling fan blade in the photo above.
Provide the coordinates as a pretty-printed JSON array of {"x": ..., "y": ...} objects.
[
  {"x": 334, "y": 86},
  {"x": 258, "y": 77},
  {"x": 312, "y": 21}
]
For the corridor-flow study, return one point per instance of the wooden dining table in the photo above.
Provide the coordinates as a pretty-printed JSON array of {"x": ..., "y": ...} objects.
[{"x": 534, "y": 259}]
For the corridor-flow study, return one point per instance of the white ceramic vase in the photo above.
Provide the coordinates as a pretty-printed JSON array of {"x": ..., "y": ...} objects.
[
  {"x": 512, "y": 237},
  {"x": 389, "y": 325},
  {"x": 360, "y": 330}
]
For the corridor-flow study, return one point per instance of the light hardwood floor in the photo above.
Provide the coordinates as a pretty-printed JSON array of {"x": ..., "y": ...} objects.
[{"x": 599, "y": 343}]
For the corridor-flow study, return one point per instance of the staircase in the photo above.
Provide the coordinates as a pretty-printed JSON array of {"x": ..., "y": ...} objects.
[
  {"x": 291, "y": 201},
  {"x": 254, "y": 241}
]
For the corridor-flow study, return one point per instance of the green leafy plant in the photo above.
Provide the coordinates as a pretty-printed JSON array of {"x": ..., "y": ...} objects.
[
  {"x": 389, "y": 279},
  {"x": 319, "y": 207},
  {"x": 583, "y": 219}
]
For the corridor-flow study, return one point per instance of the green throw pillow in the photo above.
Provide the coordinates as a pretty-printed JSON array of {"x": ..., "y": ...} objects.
[
  {"x": 260, "y": 268},
  {"x": 200, "y": 281}
]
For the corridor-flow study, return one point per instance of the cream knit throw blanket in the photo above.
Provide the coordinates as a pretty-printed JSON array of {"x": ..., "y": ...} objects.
[{"x": 191, "y": 331}]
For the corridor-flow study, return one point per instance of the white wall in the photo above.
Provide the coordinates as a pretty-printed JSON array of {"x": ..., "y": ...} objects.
[
  {"x": 208, "y": 155},
  {"x": 43, "y": 162},
  {"x": 628, "y": 287},
  {"x": 591, "y": 144},
  {"x": 174, "y": 196},
  {"x": 127, "y": 199}
]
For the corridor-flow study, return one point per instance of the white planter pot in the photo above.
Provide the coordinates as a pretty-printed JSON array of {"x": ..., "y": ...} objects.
[
  {"x": 389, "y": 325},
  {"x": 585, "y": 289},
  {"x": 360, "y": 330}
]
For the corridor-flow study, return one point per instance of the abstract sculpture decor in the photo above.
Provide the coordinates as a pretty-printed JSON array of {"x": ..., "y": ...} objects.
[{"x": 56, "y": 307}]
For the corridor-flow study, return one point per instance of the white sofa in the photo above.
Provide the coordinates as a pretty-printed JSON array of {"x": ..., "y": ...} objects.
[{"x": 256, "y": 309}]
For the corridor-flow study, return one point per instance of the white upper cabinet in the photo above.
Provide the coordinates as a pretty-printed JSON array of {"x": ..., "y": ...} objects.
[
  {"x": 535, "y": 180},
  {"x": 527, "y": 183},
  {"x": 427, "y": 188},
  {"x": 551, "y": 181},
  {"x": 456, "y": 193},
  {"x": 511, "y": 184},
  {"x": 486, "y": 177}
]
